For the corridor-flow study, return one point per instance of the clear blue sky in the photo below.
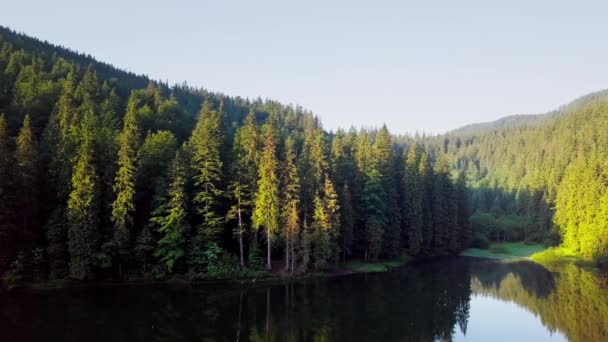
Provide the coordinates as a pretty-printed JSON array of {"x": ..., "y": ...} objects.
[{"x": 416, "y": 65}]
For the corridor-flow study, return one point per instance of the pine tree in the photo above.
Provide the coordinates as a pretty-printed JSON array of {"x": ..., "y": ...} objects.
[
  {"x": 82, "y": 209},
  {"x": 123, "y": 207},
  {"x": 266, "y": 213},
  {"x": 206, "y": 144}
]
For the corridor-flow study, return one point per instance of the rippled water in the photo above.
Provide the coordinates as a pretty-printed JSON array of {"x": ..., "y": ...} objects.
[{"x": 456, "y": 299}]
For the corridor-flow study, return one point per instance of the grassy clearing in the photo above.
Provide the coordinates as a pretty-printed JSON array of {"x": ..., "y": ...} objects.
[
  {"x": 505, "y": 251},
  {"x": 359, "y": 266},
  {"x": 557, "y": 256}
]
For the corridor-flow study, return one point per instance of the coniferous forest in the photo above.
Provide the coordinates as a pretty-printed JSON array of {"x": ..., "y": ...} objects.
[
  {"x": 105, "y": 174},
  {"x": 110, "y": 175}
]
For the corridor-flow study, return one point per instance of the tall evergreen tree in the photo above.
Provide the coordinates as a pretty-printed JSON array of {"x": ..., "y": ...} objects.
[
  {"x": 375, "y": 221},
  {"x": 206, "y": 145},
  {"x": 383, "y": 160},
  {"x": 266, "y": 213},
  {"x": 26, "y": 157},
  {"x": 244, "y": 175},
  {"x": 7, "y": 244},
  {"x": 171, "y": 217},
  {"x": 123, "y": 207},
  {"x": 347, "y": 216},
  {"x": 83, "y": 206},
  {"x": 290, "y": 202},
  {"x": 412, "y": 202},
  {"x": 425, "y": 172}
]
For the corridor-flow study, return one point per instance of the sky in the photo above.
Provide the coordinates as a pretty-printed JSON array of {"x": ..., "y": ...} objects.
[{"x": 418, "y": 66}]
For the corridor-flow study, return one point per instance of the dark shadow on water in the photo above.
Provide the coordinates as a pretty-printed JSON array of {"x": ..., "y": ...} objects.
[{"x": 421, "y": 302}]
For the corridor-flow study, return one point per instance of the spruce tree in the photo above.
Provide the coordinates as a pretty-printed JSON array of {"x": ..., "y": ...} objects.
[
  {"x": 206, "y": 144},
  {"x": 6, "y": 213},
  {"x": 170, "y": 217},
  {"x": 123, "y": 207},
  {"x": 244, "y": 175},
  {"x": 290, "y": 202},
  {"x": 320, "y": 236},
  {"x": 383, "y": 160},
  {"x": 26, "y": 157},
  {"x": 425, "y": 172},
  {"x": 266, "y": 213},
  {"x": 442, "y": 191},
  {"x": 412, "y": 202},
  {"x": 463, "y": 213},
  {"x": 83, "y": 206},
  {"x": 374, "y": 208},
  {"x": 347, "y": 217}
]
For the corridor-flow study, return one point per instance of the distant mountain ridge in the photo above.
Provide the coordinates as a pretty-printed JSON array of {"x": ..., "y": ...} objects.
[{"x": 517, "y": 120}]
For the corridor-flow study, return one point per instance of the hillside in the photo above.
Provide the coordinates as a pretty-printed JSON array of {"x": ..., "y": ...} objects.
[
  {"x": 511, "y": 121},
  {"x": 109, "y": 175},
  {"x": 540, "y": 181}
]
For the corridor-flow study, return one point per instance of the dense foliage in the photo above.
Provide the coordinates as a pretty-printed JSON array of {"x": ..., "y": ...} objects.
[
  {"x": 545, "y": 182},
  {"x": 108, "y": 174}
]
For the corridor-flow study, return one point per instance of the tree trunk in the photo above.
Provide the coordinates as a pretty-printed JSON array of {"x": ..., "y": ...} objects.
[
  {"x": 268, "y": 263},
  {"x": 293, "y": 253},
  {"x": 287, "y": 253},
  {"x": 241, "y": 234}
]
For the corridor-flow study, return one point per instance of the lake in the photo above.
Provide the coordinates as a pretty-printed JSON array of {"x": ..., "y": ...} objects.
[{"x": 459, "y": 299}]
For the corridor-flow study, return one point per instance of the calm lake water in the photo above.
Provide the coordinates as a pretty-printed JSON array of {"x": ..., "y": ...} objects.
[{"x": 458, "y": 299}]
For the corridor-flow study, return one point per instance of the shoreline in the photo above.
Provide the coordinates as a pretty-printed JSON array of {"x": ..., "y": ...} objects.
[
  {"x": 549, "y": 257},
  {"x": 277, "y": 277}
]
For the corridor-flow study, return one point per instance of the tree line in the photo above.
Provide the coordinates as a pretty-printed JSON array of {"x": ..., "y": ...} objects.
[{"x": 98, "y": 180}]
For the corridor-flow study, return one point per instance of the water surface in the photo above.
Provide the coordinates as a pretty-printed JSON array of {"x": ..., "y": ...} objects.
[{"x": 458, "y": 299}]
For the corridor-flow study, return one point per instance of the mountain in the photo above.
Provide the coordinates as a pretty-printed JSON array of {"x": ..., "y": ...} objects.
[
  {"x": 505, "y": 122},
  {"x": 518, "y": 120}
]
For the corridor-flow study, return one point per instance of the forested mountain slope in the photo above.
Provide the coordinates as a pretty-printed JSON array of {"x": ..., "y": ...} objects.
[
  {"x": 529, "y": 181},
  {"x": 511, "y": 121},
  {"x": 107, "y": 174}
]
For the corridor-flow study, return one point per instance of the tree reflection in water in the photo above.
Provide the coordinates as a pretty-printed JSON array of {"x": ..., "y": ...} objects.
[{"x": 420, "y": 302}]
